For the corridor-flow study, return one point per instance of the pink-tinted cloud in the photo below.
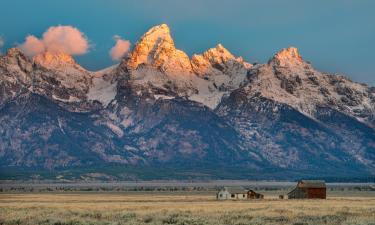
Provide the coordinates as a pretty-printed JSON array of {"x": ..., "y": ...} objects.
[
  {"x": 57, "y": 39},
  {"x": 65, "y": 39},
  {"x": 120, "y": 49},
  {"x": 32, "y": 46}
]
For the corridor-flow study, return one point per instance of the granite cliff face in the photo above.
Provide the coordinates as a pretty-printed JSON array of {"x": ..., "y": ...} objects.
[{"x": 159, "y": 108}]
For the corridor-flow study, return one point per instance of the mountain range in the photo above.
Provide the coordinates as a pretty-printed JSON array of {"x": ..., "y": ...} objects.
[{"x": 160, "y": 114}]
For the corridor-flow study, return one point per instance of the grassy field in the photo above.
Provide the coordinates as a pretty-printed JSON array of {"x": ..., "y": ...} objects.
[{"x": 180, "y": 208}]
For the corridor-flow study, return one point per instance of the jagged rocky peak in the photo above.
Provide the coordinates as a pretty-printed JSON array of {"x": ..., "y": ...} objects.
[
  {"x": 14, "y": 74},
  {"x": 214, "y": 57},
  {"x": 14, "y": 56},
  {"x": 56, "y": 60},
  {"x": 157, "y": 40},
  {"x": 218, "y": 58},
  {"x": 287, "y": 57},
  {"x": 14, "y": 53},
  {"x": 156, "y": 48},
  {"x": 218, "y": 55}
]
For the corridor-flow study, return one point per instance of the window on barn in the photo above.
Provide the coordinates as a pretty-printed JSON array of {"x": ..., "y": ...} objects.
[
  {"x": 232, "y": 195},
  {"x": 243, "y": 196},
  {"x": 221, "y": 195}
]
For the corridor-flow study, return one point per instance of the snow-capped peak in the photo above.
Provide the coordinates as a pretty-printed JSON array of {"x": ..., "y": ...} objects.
[
  {"x": 161, "y": 31},
  {"x": 217, "y": 60},
  {"x": 152, "y": 48},
  {"x": 218, "y": 55},
  {"x": 287, "y": 57},
  {"x": 156, "y": 48}
]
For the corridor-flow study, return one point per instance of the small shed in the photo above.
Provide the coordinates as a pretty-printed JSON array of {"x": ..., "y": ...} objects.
[
  {"x": 253, "y": 195},
  {"x": 311, "y": 189},
  {"x": 233, "y": 193}
]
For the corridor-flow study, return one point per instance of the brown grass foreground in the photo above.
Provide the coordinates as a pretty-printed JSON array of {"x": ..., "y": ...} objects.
[{"x": 183, "y": 208}]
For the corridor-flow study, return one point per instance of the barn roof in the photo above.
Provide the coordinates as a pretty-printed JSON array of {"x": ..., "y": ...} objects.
[
  {"x": 312, "y": 184},
  {"x": 235, "y": 190},
  {"x": 292, "y": 191}
]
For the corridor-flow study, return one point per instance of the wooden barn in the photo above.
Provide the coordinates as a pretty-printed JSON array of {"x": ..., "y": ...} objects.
[
  {"x": 311, "y": 189},
  {"x": 237, "y": 193}
]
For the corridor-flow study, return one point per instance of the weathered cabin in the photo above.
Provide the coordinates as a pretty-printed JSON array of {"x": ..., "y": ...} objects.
[
  {"x": 237, "y": 193},
  {"x": 232, "y": 193},
  {"x": 311, "y": 189}
]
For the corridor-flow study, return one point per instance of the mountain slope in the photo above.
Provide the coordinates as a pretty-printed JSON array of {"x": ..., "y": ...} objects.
[
  {"x": 38, "y": 133},
  {"x": 289, "y": 139}
]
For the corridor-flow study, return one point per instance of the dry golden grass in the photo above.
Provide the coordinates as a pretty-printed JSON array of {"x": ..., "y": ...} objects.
[{"x": 183, "y": 208}]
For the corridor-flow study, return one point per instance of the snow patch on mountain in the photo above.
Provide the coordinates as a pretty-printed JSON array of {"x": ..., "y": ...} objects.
[
  {"x": 102, "y": 90},
  {"x": 163, "y": 97},
  {"x": 207, "y": 93},
  {"x": 115, "y": 129},
  {"x": 70, "y": 99}
]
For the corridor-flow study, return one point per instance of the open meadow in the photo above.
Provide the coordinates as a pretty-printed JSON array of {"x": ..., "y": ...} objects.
[{"x": 181, "y": 208}]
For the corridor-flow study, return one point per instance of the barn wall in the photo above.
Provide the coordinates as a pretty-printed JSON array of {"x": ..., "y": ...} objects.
[
  {"x": 298, "y": 193},
  {"x": 316, "y": 193},
  {"x": 241, "y": 196},
  {"x": 254, "y": 195},
  {"x": 222, "y": 195}
]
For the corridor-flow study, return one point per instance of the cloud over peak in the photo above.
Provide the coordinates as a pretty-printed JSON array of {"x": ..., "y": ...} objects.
[
  {"x": 120, "y": 49},
  {"x": 57, "y": 39},
  {"x": 32, "y": 46}
]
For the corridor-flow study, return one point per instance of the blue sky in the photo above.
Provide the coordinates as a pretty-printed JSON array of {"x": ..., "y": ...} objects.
[{"x": 335, "y": 35}]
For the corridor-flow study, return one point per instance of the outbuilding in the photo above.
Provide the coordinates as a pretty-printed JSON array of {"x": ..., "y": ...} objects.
[
  {"x": 311, "y": 189},
  {"x": 237, "y": 193},
  {"x": 254, "y": 195}
]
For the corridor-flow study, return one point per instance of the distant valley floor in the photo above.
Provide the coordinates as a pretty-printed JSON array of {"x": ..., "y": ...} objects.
[{"x": 183, "y": 208}]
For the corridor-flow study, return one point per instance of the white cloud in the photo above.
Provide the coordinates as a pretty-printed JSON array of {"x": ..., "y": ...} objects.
[
  {"x": 57, "y": 39},
  {"x": 120, "y": 49}
]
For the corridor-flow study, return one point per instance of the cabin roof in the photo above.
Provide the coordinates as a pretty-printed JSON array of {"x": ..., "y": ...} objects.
[
  {"x": 311, "y": 184},
  {"x": 235, "y": 190}
]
